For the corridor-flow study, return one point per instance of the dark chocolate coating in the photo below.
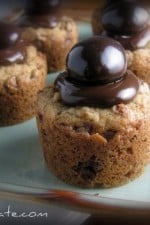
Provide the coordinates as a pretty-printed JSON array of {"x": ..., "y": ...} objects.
[
  {"x": 15, "y": 54},
  {"x": 45, "y": 20},
  {"x": 44, "y": 7},
  {"x": 10, "y": 35},
  {"x": 77, "y": 94},
  {"x": 44, "y": 13},
  {"x": 108, "y": 2},
  {"x": 125, "y": 17},
  {"x": 132, "y": 42},
  {"x": 97, "y": 59},
  {"x": 12, "y": 48}
]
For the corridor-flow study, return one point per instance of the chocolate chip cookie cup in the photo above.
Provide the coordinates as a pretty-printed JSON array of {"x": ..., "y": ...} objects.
[
  {"x": 129, "y": 23},
  {"x": 94, "y": 122},
  {"x": 23, "y": 72},
  {"x": 51, "y": 32}
]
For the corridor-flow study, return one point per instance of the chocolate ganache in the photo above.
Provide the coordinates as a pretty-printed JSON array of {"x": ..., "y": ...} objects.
[
  {"x": 12, "y": 48},
  {"x": 97, "y": 75},
  {"x": 127, "y": 22},
  {"x": 44, "y": 13}
]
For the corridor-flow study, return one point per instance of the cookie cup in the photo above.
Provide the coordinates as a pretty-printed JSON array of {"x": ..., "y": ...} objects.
[
  {"x": 92, "y": 147},
  {"x": 19, "y": 85}
]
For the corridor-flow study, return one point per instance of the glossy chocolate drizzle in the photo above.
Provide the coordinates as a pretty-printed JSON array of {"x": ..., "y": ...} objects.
[
  {"x": 12, "y": 48},
  {"x": 96, "y": 75},
  {"x": 107, "y": 95},
  {"x": 44, "y": 13},
  {"x": 127, "y": 22}
]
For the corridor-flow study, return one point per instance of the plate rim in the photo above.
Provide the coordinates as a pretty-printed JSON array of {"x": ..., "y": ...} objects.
[{"x": 81, "y": 202}]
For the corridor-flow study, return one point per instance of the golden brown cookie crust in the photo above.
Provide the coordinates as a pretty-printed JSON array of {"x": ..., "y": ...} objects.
[
  {"x": 93, "y": 147},
  {"x": 139, "y": 63},
  {"x": 55, "y": 42},
  {"x": 19, "y": 84}
]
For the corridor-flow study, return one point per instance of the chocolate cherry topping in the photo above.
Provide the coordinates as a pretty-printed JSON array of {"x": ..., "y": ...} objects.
[
  {"x": 45, "y": 6},
  {"x": 111, "y": 1},
  {"x": 97, "y": 59},
  {"x": 107, "y": 84},
  {"x": 44, "y": 13},
  {"x": 11, "y": 46},
  {"x": 10, "y": 35},
  {"x": 125, "y": 17},
  {"x": 43, "y": 21}
]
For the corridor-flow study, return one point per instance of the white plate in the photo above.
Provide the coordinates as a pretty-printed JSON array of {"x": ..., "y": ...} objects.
[{"x": 23, "y": 171}]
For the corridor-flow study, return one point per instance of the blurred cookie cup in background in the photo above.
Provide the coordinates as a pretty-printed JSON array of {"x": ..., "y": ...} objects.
[
  {"x": 23, "y": 72},
  {"x": 45, "y": 25}
]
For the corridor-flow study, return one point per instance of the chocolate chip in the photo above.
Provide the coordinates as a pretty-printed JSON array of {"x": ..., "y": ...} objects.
[
  {"x": 40, "y": 117},
  {"x": 109, "y": 134},
  {"x": 87, "y": 170},
  {"x": 130, "y": 150}
]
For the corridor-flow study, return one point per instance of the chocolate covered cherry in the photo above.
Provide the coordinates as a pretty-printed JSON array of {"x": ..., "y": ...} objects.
[
  {"x": 45, "y": 6},
  {"x": 96, "y": 75},
  {"x": 97, "y": 59},
  {"x": 44, "y": 13},
  {"x": 125, "y": 17},
  {"x": 111, "y": 1},
  {"x": 10, "y": 35}
]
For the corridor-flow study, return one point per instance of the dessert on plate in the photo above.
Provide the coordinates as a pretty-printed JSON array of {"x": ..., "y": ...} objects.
[
  {"x": 52, "y": 32},
  {"x": 94, "y": 121},
  {"x": 129, "y": 23},
  {"x": 22, "y": 74}
]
